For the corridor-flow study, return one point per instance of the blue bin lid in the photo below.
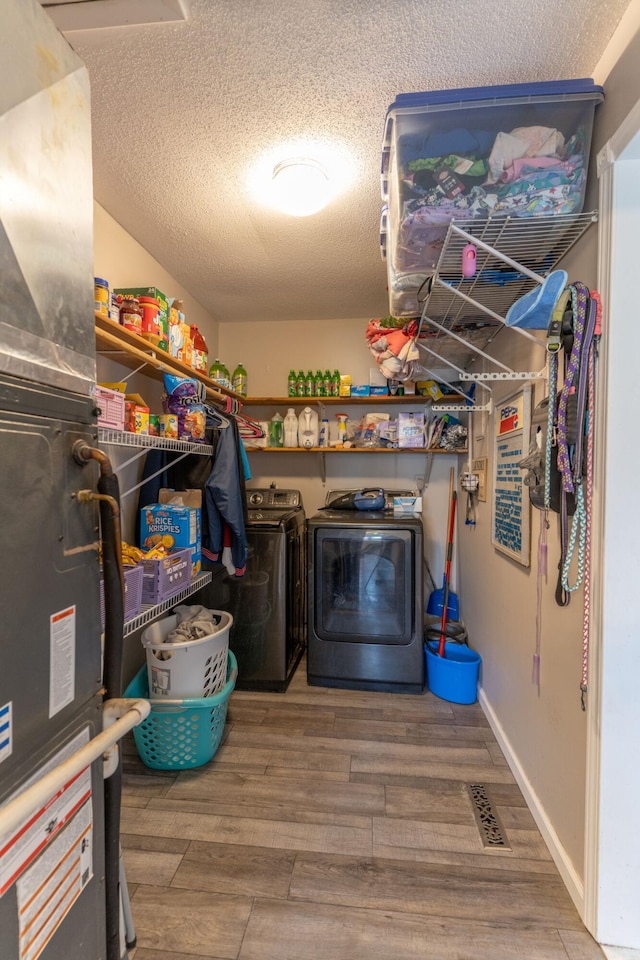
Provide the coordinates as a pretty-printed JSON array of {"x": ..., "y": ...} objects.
[
  {"x": 557, "y": 91},
  {"x": 584, "y": 89}
]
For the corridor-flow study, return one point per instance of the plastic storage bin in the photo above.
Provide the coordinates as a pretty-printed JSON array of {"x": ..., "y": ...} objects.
[
  {"x": 185, "y": 733},
  {"x": 162, "y": 578},
  {"x": 110, "y": 403},
  {"x": 518, "y": 150},
  {"x": 193, "y": 668},
  {"x": 132, "y": 593}
]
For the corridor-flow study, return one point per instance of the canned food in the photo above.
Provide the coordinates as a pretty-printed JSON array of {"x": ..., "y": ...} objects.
[
  {"x": 154, "y": 425},
  {"x": 101, "y": 296},
  {"x": 168, "y": 426}
]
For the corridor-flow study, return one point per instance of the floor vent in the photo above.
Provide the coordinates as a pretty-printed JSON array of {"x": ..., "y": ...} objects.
[{"x": 491, "y": 830}]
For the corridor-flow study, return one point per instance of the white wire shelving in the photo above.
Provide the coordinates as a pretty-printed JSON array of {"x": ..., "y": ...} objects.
[
  {"x": 145, "y": 442},
  {"x": 150, "y": 612},
  {"x": 123, "y": 438},
  {"x": 460, "y": 316}
]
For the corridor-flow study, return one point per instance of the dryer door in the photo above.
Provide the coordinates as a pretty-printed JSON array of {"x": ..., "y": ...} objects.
[{"x": 364, "y": 584}]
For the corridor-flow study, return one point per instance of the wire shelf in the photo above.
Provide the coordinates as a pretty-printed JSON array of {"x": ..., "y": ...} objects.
[
  {"x": 122, "y": 438},
  {"x": 150, "y": 611},
  {"x": 465, "y": 306}
]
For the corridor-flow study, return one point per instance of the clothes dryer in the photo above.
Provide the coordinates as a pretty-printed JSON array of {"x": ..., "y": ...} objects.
[{"x": 365, "y": 597}]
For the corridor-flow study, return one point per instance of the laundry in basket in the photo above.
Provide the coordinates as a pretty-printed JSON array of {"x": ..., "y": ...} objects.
[{"x": 187, "y": 652}]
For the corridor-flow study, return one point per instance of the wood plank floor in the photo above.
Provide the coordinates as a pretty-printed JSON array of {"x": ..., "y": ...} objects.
[{"x": 338, "y": 825}]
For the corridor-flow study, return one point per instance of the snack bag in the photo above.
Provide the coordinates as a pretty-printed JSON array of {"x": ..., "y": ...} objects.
[{"x": 183, "y": 398}]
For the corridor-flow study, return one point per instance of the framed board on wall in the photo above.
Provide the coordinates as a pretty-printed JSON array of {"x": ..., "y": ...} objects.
[{"x": 510, "y": 508}]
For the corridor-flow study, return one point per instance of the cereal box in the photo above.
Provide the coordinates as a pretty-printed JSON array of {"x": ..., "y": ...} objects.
[{"x": 176, "y": 525}]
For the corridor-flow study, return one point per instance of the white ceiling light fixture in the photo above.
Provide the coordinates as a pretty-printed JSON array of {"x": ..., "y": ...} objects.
[{"x": 300, "y": 186}]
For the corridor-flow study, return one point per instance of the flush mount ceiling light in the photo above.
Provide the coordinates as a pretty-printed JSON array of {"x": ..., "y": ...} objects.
[{"x": 300, "y": 186}]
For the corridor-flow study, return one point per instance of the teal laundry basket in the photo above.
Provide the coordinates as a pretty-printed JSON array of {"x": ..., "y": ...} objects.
[
  {"x": 453, "y": 677},
  {"x": 181, "y": 734}
]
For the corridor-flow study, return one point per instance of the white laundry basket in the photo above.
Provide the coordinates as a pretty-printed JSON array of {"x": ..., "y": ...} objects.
[{"x": 193, "y": 668}]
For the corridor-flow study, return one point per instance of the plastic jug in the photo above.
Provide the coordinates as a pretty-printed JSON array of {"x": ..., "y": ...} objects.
[
  {"x": 324, "y": 433},
  {"x": 291, "y": 428},
  {"x": 308, "y": 428},
  {"x": 276, "y": 431}
]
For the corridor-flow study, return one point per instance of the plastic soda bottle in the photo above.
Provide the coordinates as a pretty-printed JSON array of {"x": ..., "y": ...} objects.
[
  {"x": 239, "y": 380},
  {"x": 321, "y": 390},
  {"x": 216, "y": 371},
  {"x": 327, "y": 383},
  {"x": 311, "y": 384},
  {"x": 292, "y": 385},
  {"x": 335, "y": 384},
  {"x": 302, "y": 384}
]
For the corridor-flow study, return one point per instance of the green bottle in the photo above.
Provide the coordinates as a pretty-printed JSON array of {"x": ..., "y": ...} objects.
[
  {"x": 311, "y": 384},
  {"x": 327, "y": 383},
  {"x": 292, "y": 385},
  {"x": 239, "y": 380},
  {"x": 320, "y": 387},
  {"x": 335, "y": 384},
  {"x": 216, "y": 372},
  {"x": 302, "y": 384}
]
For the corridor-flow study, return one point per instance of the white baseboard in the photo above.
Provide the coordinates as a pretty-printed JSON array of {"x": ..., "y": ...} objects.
[
  {"x": 572, "y": 881},
  {"x": 620, "y": 953}
]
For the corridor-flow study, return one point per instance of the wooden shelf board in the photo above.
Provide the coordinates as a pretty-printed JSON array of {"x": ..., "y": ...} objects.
[
  {"x": 349, "y": 450},
  {"x": 131, "y": 350},
  {"x": 406, "y": 399}
]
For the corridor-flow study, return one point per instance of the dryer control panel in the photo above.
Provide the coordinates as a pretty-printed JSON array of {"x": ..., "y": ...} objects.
[{"x": 271, "y": 498}]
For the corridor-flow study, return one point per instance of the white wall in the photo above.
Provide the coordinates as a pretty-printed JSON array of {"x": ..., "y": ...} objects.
[{"x": 124, "y": 262}]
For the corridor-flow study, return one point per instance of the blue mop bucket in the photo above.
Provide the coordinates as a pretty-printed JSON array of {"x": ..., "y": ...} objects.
[{"x": 453, "y": 677}]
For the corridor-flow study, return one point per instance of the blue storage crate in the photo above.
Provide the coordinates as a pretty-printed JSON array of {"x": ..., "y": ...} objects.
[
  {"x": 183, "y": 734},
  {"x": 519, "y": 150}
]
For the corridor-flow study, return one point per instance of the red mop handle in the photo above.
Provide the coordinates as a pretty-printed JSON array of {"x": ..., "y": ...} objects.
[{"x": 452, "y": 521}]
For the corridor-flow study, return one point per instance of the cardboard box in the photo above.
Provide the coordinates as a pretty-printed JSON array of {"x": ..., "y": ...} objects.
[
  {"x": 345, "y": 385},
  {"x": 136, "y": 414},
  {"x": 378, "y": 391},
  {"x": 176, "y": 525},
  {"x": 430, "y": 388},
  {"x": 376, "y": 377},
  {"x": 360, "y": 390},
  {"x": 411, "y": 430},
  {"x": 405, "y": 506}
]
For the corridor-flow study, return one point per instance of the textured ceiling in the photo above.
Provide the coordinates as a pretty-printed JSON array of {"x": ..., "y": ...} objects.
[{"x": 183, "y": 112}]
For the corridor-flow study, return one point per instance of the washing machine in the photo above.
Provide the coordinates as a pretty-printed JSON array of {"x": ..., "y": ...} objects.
[
  {"x": 365, "y": 598},
  {"x": 268, "y": 603}
]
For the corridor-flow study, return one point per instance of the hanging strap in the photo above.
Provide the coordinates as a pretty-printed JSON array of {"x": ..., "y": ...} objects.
[
  {"x": 572, "y": 479},
  {"x": 586, "y": 619}
]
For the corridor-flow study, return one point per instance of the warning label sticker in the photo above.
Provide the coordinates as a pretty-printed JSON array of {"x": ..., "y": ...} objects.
[
  {"x": 62, "y": 659},
  {"x": 19, "y": 849},
  {"x": 50, "y": 887},
  {"x": 6, "y": 732}
]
